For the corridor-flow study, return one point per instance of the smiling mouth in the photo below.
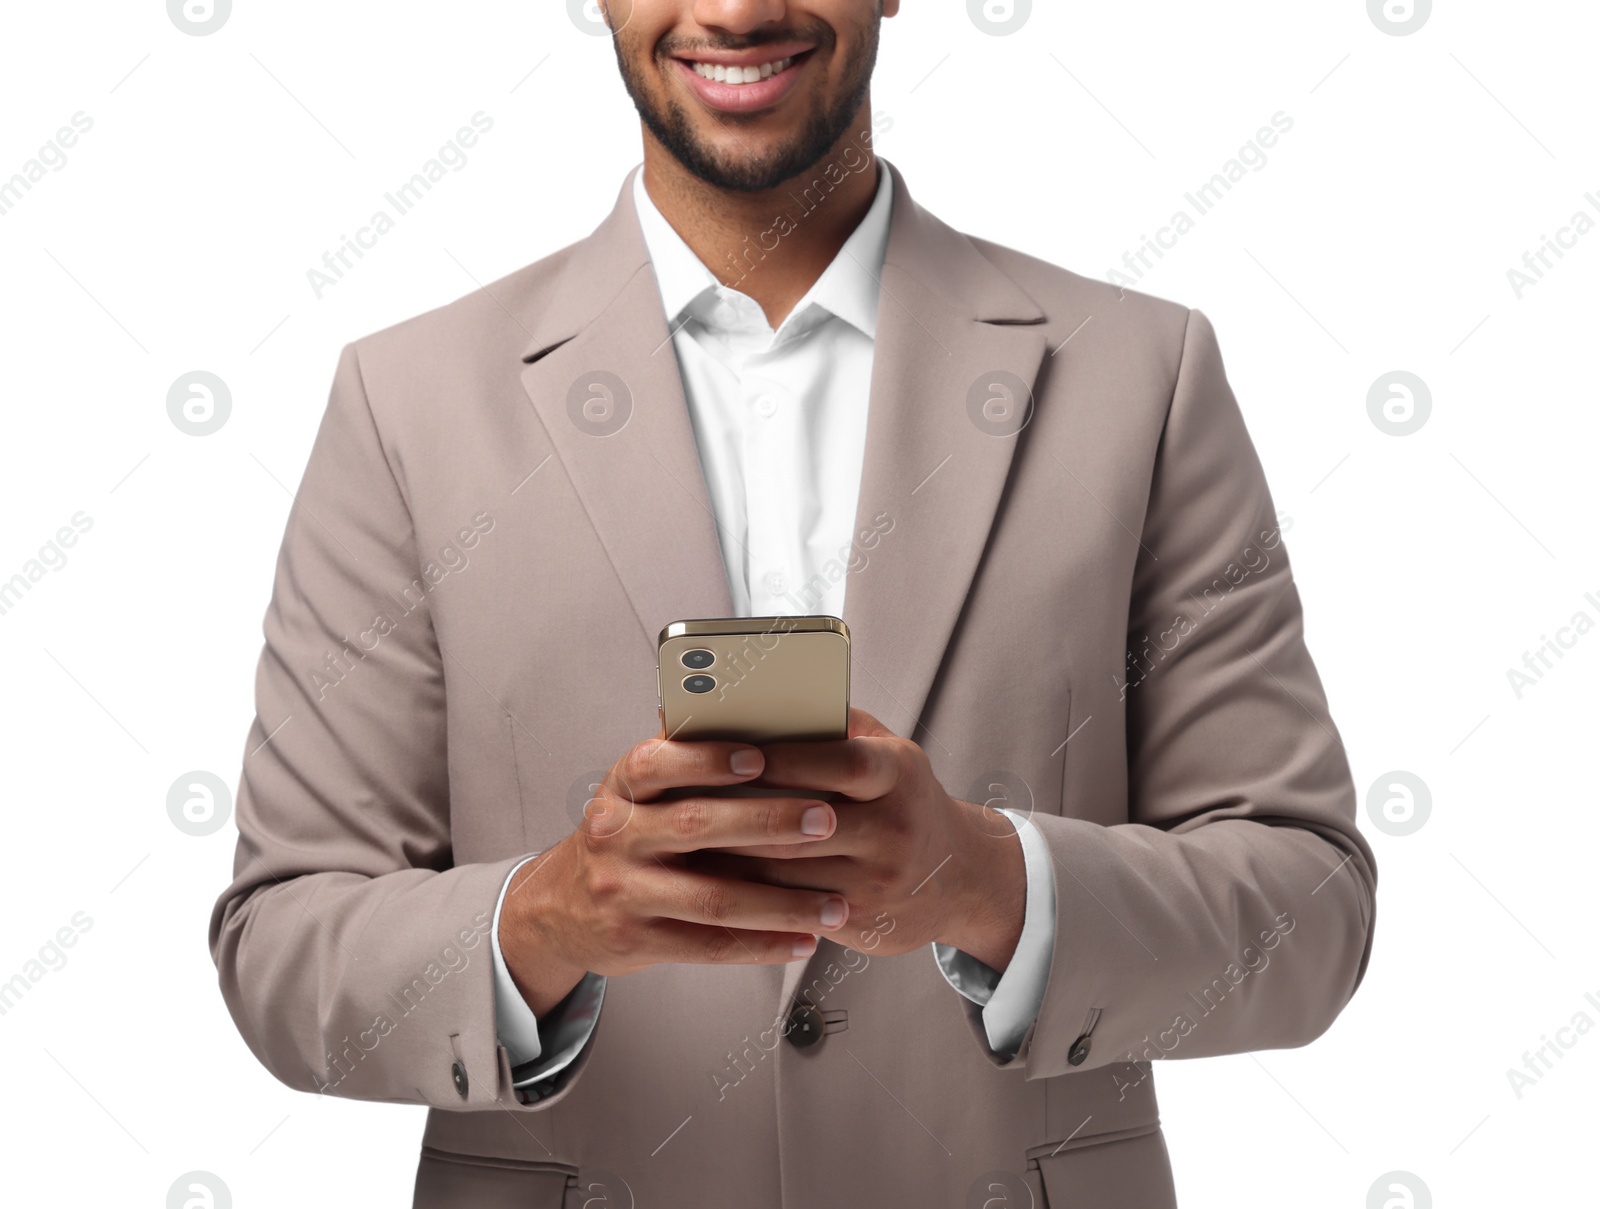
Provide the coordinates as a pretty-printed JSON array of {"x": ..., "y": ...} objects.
[{"x": 737, "y": 76}]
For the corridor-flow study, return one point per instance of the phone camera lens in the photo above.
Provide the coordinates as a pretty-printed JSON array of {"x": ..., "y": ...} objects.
[
  {"x": 699, "y": 684},
  {"x": 698, "y": 659}
]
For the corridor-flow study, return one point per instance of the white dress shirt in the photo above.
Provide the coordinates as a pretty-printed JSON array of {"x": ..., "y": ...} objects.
[{"x": 780, "y": 419}]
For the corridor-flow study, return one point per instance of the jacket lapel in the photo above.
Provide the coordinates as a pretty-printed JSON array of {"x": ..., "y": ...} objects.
[
  {"x": 956, "y": 360},
  {"x": 604, "y": 379}
]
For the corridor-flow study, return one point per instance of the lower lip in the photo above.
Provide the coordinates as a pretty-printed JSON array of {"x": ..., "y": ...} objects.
[{"x": 744, "y": 98}]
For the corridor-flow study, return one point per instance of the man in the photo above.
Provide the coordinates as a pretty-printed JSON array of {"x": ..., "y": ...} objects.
[{"x": 770, "y": 383}]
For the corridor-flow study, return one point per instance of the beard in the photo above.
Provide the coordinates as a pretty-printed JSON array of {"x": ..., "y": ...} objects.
[{"x": 669, "y": 122}]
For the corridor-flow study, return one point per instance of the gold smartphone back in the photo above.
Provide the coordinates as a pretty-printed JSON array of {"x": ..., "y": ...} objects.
[{"x": 755, "y": 679}]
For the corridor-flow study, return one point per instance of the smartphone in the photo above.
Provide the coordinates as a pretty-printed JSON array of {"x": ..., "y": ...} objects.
[{"x": 755, "y": 679}]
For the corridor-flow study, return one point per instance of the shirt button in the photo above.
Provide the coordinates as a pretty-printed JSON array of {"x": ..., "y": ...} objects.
[
  {"x": 776, "y": 583},
  {"x": 458, "y": 1076},
  {"x": 765, "y": 405},
  {"x": 1078, "y": 1052}
]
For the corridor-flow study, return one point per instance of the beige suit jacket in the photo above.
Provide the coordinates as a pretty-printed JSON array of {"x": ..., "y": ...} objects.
[{"x": 1069, "y": 586}]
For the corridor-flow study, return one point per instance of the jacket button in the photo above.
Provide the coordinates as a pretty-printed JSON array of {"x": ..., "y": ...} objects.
[
  {"x": 1079, "y": 1051},
  {"x": 805, "y": 1026},
  {"x": 458, "y": 1075}
]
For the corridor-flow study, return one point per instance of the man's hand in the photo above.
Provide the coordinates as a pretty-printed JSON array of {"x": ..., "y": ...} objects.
[
  {"x": 619, "y": 893},
  {"x": 914, "y": 864}
]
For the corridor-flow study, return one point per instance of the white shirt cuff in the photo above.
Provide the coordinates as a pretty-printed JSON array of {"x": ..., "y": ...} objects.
[
  {"x": 1011, "y": 1000},
  {"x": 566, "y": 1026}
]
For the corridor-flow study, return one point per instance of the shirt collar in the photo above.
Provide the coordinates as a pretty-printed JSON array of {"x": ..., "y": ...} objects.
[{"x": 848, "y": 287}]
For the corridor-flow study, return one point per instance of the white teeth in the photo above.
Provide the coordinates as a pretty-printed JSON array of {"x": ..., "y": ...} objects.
[{"x": 740, "y": 75}]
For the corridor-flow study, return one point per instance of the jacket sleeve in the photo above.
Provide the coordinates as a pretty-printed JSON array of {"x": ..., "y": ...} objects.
[
  {"x": 1234, "y": 911},
  {"x": 352, "y": 951}
]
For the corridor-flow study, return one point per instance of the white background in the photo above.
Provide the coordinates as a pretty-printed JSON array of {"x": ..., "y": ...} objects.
[{"x": 1378, "y": 237}]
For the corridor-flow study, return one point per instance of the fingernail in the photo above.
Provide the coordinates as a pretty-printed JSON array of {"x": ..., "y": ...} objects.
[
  {"x": 833, "y": 912},
  {"x": 814, "y": 821},
  {"x": 745, "y": 761},
  {"x": 805, "y": 946}
]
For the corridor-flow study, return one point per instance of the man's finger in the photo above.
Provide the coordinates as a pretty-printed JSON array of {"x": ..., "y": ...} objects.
[
  {"x": 852, "y": 835},
  {"x": 835, "y": 874},
  {"x": 863, "y": 725},
  {"x": 700, "y": 898},
  {"x": 698, "y": 944},
  {"x": 861, "y": 769},
  {"x": 687, "y": 824},
  {"x": 655, "y": 765}
]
